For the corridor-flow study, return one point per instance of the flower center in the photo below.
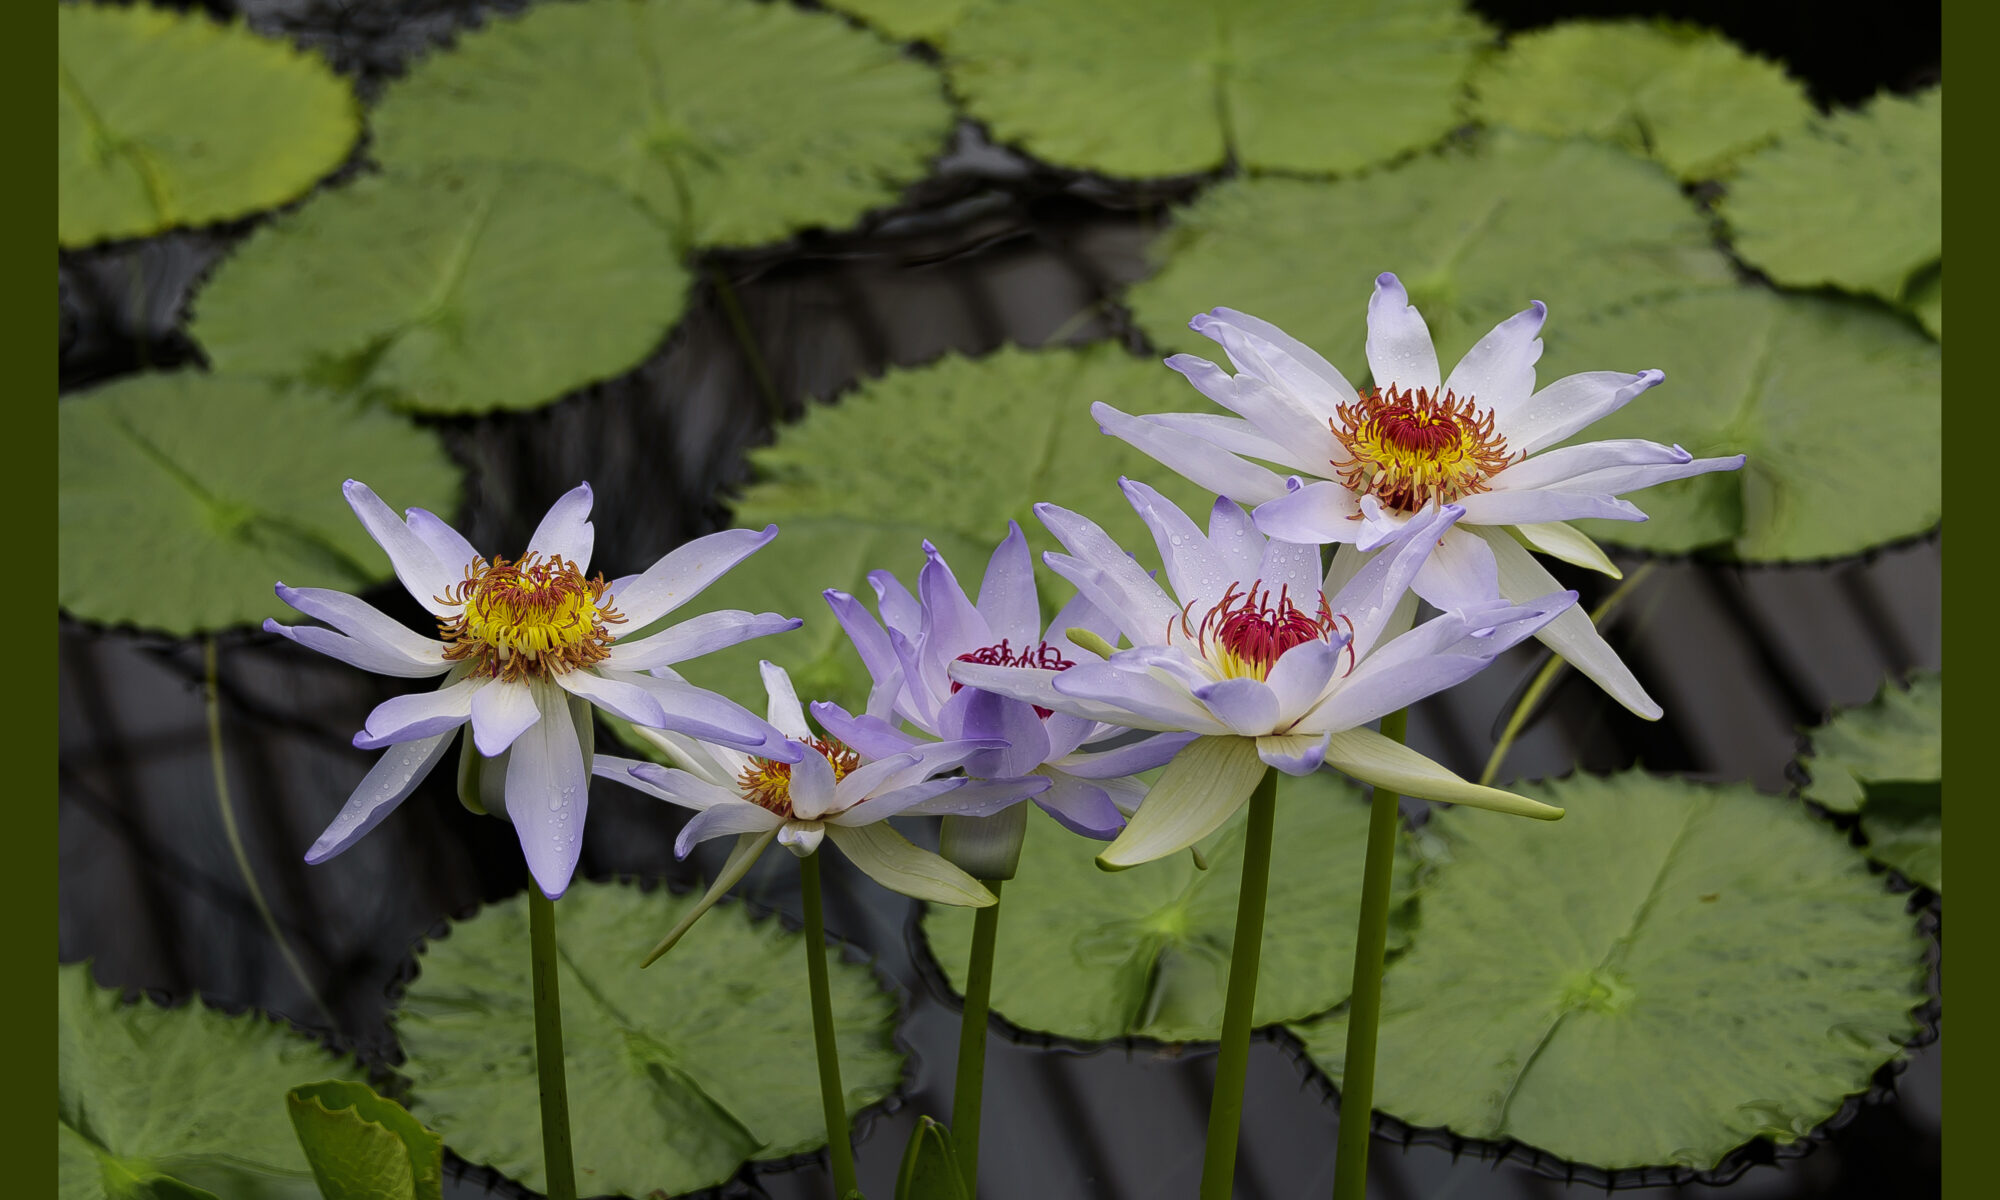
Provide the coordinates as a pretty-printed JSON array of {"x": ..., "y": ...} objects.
[
  {"x": 768, "y": 784},
  {"x": 538, "y": 617},
  {"x": 1244, "y": 634},
  {"x": 1411, "y": 448},
  {"x": 1043, "y": 657}
]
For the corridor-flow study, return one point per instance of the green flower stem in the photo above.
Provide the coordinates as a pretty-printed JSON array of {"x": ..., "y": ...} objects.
[
  {"x": 557, "y": 1163},
  {"x": 1547, "y": 675},
  {"x": 969, "y": 1092},
  {"x": 213, "y": 703},
  {"x": 1364, "y": 1013},
  {"x": 1225, "y": 1110},
  {"x": 832, "y": 1096},
  {"x": 739, "y": 325}
]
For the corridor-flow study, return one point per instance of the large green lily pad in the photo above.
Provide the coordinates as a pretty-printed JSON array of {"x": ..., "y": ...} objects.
[
  {"x": 1090, "y": 954},
  {"x": 733, "y": 123},
  {"x": 166, "y": 119},
  {"x": 1835, "y": 402},
  {"x": 1474, "y": 233},
  {"x": 1856, "y": 201},
  {"x": 453, "y": 291},
  {"x": 182, "y": 498},
  {"x": 1669, "y": 971},
  {"x": 962, "y": 446},
  {"x": 1885, "y": 760},
  {"x": 906, "y": 20},
  {"x": 1685, "y": 96},
  {"x": 677, "y": 1074},
  {"x": 1139, "y": 87},
  {"x": 184, "y": 1102}
]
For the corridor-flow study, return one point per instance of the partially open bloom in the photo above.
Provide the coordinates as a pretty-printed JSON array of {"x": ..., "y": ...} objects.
[
  {"x": 1369, "y": 461},
  {"x": 824, "y": 789},
  {"x": 1039, "y": 751},
  {"x": 526, "y": 646},
  {"x": 1254, "y": 655}
]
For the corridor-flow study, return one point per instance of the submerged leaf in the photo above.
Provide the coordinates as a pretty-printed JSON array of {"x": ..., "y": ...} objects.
[
  {"x": 182, "y": 1102},
  {"x": 1474, "y": 234},
  {"x": 166, "y": 119},
  {"x": 1669, "y": 971},
  {"x": 1836, "y": 404},
  {"x": 1143, "y": 87},
  {"x": 733, "y": 123},
  {"x": 459, "y": 290},
  {"x": 1856, "y": 201},
  {"x": 182, "y": 498},
  {"x": 1087, "y": 954},
  {"x": 677, "y": 1075},
  {"x": 1685, "y": 96},
  {"x": 1885, "y": 760}
]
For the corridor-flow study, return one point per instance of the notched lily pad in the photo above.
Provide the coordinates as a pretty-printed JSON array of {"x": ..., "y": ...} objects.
[
  {"x": 677, "y": 1075},
  {"x": 1139, "y": 88},
  {"x": 733, "y": 123},
  {"x": 364, "y": 1146},
  {"x": 1836, "y": 404},
  {"x": 1856, "y": 201},
  {"x": 1474, "y": 233},
  {"x": 970, "y": 444},
  {"x": 182, "y": 1102},
  {"x": 1686, "y": 96},
  {"x": 166, "y": 119},
  {"x": 454, "y": 291},
  {"x": 1669, "y": 971},
  {"x": 182, "y": 498},
  {"x": 1885, "y": 760},
  {"x": 1089, "y": 954}
]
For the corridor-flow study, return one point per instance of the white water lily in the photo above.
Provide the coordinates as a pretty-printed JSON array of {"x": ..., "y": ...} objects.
[
  {"x": 826, "y": 791},
  {"x": 1479, "y": 439},
  {"x": 1252, "y": 654},
  {"x": 528, "y": 646}
]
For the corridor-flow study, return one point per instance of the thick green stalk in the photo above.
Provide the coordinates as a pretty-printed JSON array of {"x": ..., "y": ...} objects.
[
  {"x": 1232, "y": 1065},
  {"x": 234, "y": 836},
  {"x": 1546, "y": 676},
  {"x": 1364, "y": 1011},
  {"x": 969, "y": 1092},
  {"x": 832, "y": 1096},
  {"x": 557, "y": 1163}
]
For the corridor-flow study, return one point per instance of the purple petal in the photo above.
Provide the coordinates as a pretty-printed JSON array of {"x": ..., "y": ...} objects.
[
  {"x": 1499, "y": 371},
  {"x": 1291, "y": 569},
  {"x": 1138, "y": 700},
  {"x": 703, "y": 714},
  {"x": 983, "y": 715},
  {"x": 1240, "y": 437},
  {"x": 872, "y": 736},
  {"x": 721, "y": 821},
  {"x": 566, "y": 531},
  {"x": 1245, "y": 706},
  {"x": 450, "y": 546},
  {"x": 696, "y": 636},
  {"x": 1081, "y": 807},
  {"x": 388, "y": 783},
  {"x": 1294, "y": 754},
  {"x": 1567, "y": 405},
  {"x": 415, "y": 563},
  {"x": 1300, "y": 676},
  {"x": 615, "y": 696},
  {"x": 680, "y": 787},
  {"x": 1311, "y": 514},
  {"x": 1438, "y": 654},
  {"x": 355, "y": 652},
  {"x": 952, "y": 625},
  {"x": 548, "y": 794},
  {"x": 364, "y": 623},
  {"x": 1196, "y": 572},
  {"x": 1534, "y": 508},
  {"x": 419, "y": 715},
  {"x": 811, "y": 788},
  {"x": 502, "y": 711},
  {"x": 1369, "y": 599},
  {"x": 978, "y": 797},
  {"x": 900, "y": 609},
  {"x": 1007, "y": 598},
  {"x": 1129, "y": 759},
  {"x": 1201, "y": 461},
  {"x": 682, "y": 574},
  {"x": 1459, "y": 574}
]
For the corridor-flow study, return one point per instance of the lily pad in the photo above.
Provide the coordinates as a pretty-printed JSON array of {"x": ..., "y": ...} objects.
[
  {"x": 1925, "y": 300},
  {"x": 733, "y": 123},
  {"x": 1475, "y": 234},
  {"x": 185, "y": 1102},
  {"x": 1835, "y": 402},
  {"x": 906, "y": 20},
  {"x": 962, "y": 446},
  {"x": 182, "y": 498},
  {"x": 456, "y": 291},
  {"x": 1092, "y": 955},
  {"x": 1138, "y": 88},
  {"x": 1669, "y": 971},
  {"x": 166, "y": 119},
  {"x": 1885, "y": 760},
  {"x": 677, "y": 1075},
  {"x": 1856, "y": 201},
  {"x": 1686, "y": 96},
  {"x": 364, "y": 1146}
]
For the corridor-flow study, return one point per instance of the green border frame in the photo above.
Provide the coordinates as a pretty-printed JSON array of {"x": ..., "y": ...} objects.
[{"x": 30, "y": 499}]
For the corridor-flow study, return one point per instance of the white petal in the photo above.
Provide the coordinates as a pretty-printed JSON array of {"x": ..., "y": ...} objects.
[
  {"x": 721, "y": 820},
  {"x": 1399, "y": 343},
  {"x": 682, "y": 574},
  {"x": 680, "y": 787},
  {"x": 1374, "y": 759},
  {"x": 1566, "y": 543},
  {"x": 1539, "y": 508},
  {"x": 1203, "y": 462},
  {"x": 1240, "y": 437},
  {"x": 1499, "y": 372},
  {"x": 1459, "y": 574},
  {"x": 617, "y": 697},
  {"x": 1556, "y": 469},
  {"x": 419, "y": 714},
  {"x": 1279, "y": 359},
  {"x": 365, "y": 623},
  {"x": 548, "y": 794},
  {"x": 388, "y": 783},
  {"x": 1293, "y": 753},
  {"x": 566, "y": 531},
  {"x": 696, "y": 636},
  {"x": 1311, "y": 513},
  {"x": 811, "y": 787},
  {"x": 1571, "y": 634},
  {"x": 801, "y": 837},
  {"x": 501, "y": 712},
  {"x": 891, "y": 860},
  {"x": 369, "y": 656},
  {"x": 450, "y": 546},
  {"x": 415, "y": 563},
  {"x": 1197, "y": 573},
  {"x": 1198, "y": 791},
  {"x": 1567, "y": 405},
  {"x": 783, "y": 712}
]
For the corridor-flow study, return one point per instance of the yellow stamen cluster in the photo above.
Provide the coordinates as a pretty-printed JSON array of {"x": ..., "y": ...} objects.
[
  {"x": 536, "y": 618},
  {"x": 1412, "y": 447},
  {"x": 768, "y": 784}
]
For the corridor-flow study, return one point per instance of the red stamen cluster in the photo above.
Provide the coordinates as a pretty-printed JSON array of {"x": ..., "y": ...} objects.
[
  {"x": 1043, "y": 657},
  {"x": 1412, "y": 447},
  {"x": 1246, "y": 635}
]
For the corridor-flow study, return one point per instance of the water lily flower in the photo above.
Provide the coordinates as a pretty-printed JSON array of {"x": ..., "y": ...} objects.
[
  {"x": 1480, "y": 440},
  {"x": 527, "y": 646},
  {"x": 1039, "y": 750},
  {"x": 824, "y": 789},
  {"x": 1251, "y": 654}
]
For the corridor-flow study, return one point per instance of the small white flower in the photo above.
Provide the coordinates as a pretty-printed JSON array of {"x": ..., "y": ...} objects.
[{"x": 1368, "y": 462}]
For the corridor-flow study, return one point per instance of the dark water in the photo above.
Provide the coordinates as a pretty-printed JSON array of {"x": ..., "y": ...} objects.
[{"x": 991, "y": 250}]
